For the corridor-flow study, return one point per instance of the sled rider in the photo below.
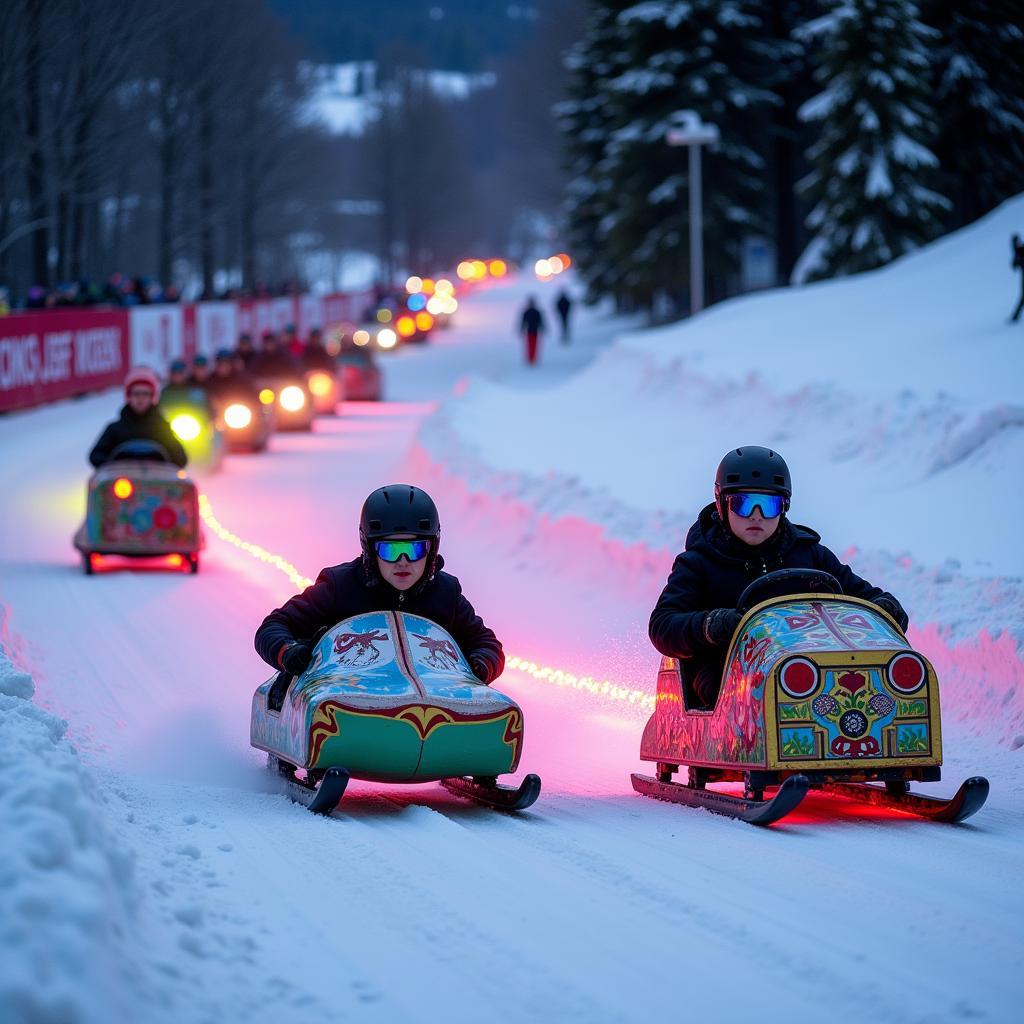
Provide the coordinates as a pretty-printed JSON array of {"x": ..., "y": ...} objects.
[
  {"x": 400, "y": 569},
  {"x": 742, "y": 535},
  {"x": 140, "y": 420}
]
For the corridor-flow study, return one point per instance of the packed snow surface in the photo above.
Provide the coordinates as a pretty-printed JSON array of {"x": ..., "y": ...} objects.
[{"x": 150, "y": 864}]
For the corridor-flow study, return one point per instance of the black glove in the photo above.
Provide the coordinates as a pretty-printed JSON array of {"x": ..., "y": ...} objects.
[
  {"x": 480, "y": 669},
  {"x": 296, "y": 658},
  {"x": 892, "y": 606},
  {"x": 720, "y": 625}
]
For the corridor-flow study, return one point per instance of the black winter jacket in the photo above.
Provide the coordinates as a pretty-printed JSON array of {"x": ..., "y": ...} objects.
[
  {"x": 150, "y": 426},
  {"x": 715, "y": 569},
  {"x": 277, "y": 365},
  {"x": 532, "y": 321},
  {"x": 346, "y": 589}
]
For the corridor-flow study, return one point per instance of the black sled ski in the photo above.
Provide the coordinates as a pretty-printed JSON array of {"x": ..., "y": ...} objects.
[
  {"x": 968, "y": 799},
  {"x": 503, "y": 798},
  {"x": 319, "y": 797},
  {"x": 754, "y": 812}
]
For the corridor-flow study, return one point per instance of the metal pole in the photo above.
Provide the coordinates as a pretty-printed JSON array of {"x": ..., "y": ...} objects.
[{"x": 696, "y": 233}]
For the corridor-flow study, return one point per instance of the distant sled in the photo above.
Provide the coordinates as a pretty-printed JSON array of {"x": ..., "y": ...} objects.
[
  {"x": 820, "y": 692},
  {"x": 389, "y": 697}
]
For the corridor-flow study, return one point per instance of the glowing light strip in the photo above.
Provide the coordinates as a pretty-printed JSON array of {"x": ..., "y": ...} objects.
[
  {"x": 299, "y": 581},
  {"x": 542, "y": 673}
]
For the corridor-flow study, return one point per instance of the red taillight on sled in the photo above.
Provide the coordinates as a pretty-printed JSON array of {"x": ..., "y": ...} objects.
[
  {"x": 906, "y": 672},
  {"x": 799, "y": 677}
]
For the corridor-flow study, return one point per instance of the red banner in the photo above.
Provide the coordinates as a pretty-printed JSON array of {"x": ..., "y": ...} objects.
[
  {"x": 46, "y": 356},
  {"x": 50, "y": 355}
]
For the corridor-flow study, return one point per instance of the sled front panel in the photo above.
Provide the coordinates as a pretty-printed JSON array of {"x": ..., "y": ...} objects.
[{"x": 389, "y": 696}]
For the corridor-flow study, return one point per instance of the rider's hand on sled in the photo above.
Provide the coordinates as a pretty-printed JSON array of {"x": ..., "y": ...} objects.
[
  {"x": 892, "y": 606},
  {"x": 720, "y": 625},
  {"x": 295, "y": 658}
]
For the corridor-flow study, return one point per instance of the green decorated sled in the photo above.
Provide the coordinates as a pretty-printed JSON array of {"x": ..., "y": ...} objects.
[{"x": 389, "y": 697}]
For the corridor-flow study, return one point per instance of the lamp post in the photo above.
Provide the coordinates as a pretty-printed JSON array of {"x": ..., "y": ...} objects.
[{"x": 690, "y": 131}]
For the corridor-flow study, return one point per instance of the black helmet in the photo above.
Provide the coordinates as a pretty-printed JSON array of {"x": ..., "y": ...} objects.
[
  {"x": 752, "y": 468},
  {"x": 178, "y": 366},
  {"x": 399, "y": 508},
  {"x": 225, "y": 355},
  {"x": 200, "y": 360}
]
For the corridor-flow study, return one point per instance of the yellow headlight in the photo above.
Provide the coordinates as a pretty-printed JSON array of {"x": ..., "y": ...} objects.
[
  {"x": 267, "y": 396},
  {"x": 292, "y": 399},
  {"x": 186, "y": 426},
  {"x": 238, "y": 416},
  {"x": 320, "y": 384}
]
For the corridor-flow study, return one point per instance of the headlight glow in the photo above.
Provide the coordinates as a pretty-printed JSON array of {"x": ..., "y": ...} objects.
[
  {"x": 320, "y": 384},
  {"x": 123, "y": 487},
  {"x": 238, "y": 416},
  {"x": 267, "y": 396},
  {"x": 292, "y": 399},
  {"x": 186, "y": 427}
]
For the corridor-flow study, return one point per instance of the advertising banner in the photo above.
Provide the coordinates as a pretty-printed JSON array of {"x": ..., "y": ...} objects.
[
  {"x": 51, "y": 355},
  {"x": 216, "y": 325},
  {"x": 157, "y": 336}
]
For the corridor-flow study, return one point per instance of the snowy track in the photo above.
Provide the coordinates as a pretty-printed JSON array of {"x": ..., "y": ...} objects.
[{"x": 413, "y": 905}]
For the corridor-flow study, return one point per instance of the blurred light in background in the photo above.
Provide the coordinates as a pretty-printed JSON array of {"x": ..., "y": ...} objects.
[
  {"x": 406, "y": 326},
  {"x": 498, "y": 268},
  {"x": 384, "y": 316},
  {"x": 444, "y": 287},
  {"x": 479, "y": 269},
  {"x": 320, "y": 384},
  {"x": 267, "y": 396},
  {"x": 424, "y": 321},
  {"x": 387, "y": 338},
  {"x": 417, "y": 302},
  {"x": 414, "y": 284},
  {"x": 361, "y": 338},
  {"x": 186, "y": 426},
  {"x": 292, "y": 399},
  {"x": 123, "y": 488},
  {"x": 237, "y": 416}
]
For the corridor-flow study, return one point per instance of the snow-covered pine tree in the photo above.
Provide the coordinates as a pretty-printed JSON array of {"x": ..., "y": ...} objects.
[
  {"x": 702, "y": 55},
  {"x": 979, "y": 91},
  {"x": 586, "y": 120},
  {"x": 699, "y": 55},
  {"x": 874, "y": 186}
]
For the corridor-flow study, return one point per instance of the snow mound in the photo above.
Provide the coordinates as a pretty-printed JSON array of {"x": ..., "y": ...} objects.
[
  {"x": 66, "y": 885},
  {"x": 895, "y": 396}
]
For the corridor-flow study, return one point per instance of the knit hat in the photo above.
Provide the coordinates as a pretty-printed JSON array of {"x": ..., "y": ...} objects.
[{"x": 145, "y": 376}]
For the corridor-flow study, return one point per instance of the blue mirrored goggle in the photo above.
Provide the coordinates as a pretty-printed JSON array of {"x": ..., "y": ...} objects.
[
  {"x": 392, "y": 550},
  {"x": 743, "y": 504}
]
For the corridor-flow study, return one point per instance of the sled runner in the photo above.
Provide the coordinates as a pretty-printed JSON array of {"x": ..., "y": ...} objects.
[
  {"x": 820, "y": 691},
  {"x": 389, "y": 697}
]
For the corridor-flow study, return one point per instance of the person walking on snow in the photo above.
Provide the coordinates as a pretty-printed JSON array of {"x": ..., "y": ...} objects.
[
  {"x": 742, "y": 535},
  {"x": 1018, "y": 264},
  {"x": 564, "y": 306},
  {"x": 532, "y": 326}
]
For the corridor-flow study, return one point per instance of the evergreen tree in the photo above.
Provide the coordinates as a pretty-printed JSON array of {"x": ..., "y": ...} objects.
[
  {"x": 586, "y": 119},
  {"x": 874, "y": 185},
  {"x": 654, "y": 59},
  {"x": 979, "y": 90}
]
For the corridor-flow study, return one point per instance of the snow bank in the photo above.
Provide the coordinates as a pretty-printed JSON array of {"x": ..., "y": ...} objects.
[
  {"x": 896, "y": 397},
  {"x": 66, "y": 885}
]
